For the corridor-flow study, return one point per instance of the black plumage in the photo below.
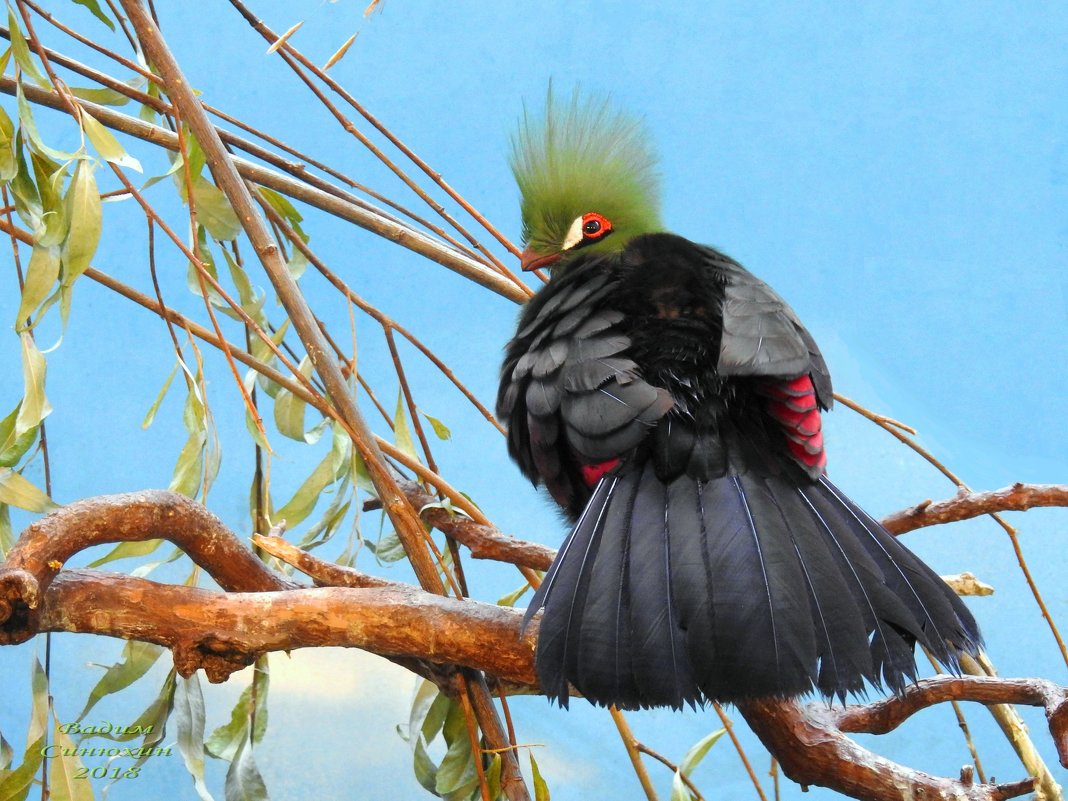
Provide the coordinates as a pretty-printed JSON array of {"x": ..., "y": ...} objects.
[{"x": 669, "y": 401}]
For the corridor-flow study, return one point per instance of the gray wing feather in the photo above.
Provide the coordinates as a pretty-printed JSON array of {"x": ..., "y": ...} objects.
[
  {"x": 762, "y": 336},
  {"x": 570, "y": 392}
]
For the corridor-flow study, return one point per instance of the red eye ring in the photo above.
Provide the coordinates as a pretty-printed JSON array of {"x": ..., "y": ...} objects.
[{"x": 595, "y": 226}]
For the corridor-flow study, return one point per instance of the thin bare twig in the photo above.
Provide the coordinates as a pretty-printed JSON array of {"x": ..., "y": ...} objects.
[
  {"x": 296, "y": 57},
  {"x": 375, "y": 222},
  {"x": 630, "y": 742},
  {"x": 962, "y": 722},
  {"x": 729, "y": 726}
]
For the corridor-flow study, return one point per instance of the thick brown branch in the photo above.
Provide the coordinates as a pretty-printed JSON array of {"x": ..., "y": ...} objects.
[
  {"x": 223, "y": 632},
  {"x": 812, "y": 750},
  {"x": 45, "y": 545},
  {"x": 886, "y": 715},
  {"x": 965, "y": 505}
]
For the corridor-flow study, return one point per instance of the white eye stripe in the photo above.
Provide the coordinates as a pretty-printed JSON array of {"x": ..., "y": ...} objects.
[{"x": 574, "y": 234}]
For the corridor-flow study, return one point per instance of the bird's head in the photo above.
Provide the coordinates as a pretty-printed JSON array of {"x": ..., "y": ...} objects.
[{"x": 587, "y": 177}]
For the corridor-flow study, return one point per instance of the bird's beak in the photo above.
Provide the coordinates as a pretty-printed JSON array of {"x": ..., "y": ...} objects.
[{"x": 532, "y": 261}]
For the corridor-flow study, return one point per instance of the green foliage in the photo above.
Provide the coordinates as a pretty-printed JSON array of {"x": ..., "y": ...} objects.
[
  {"x": 85, "y": 218},
  {"x": 514, "y": 595},
  {"x": 63, "y": 783},
  {"x": 679, "y": 790},
  {"x": 198, "y": 461},
  {"x": 402, "y": 433},
  {"x": 103, "y": 96},
  {"x": 150, "y": 415},
  {"x": 151, "y": 723},
  {"x": 7, "y": 535},
  {"x": 49, "y": 177},
  {"x": 7, "y": 754},
  {"x": 250, "y": 297},
  {"x": 18, "y": 432},
  {"x": 21, "y": 50},
  {"x": 243, "y": 779},
  {"x": 104, "y": 141},
  {"x": 541, "y": 789},
  {"x": 332, "y": 468},
  {"x": 128, "y": 550},
  {"x": 189, "y": 718},
  {"x": 35, "y": 406},
  {"x": 97, "y": 12},
  {"x": 248, "y": 719},
  {"x": 289, "y": 412},
  {"x": 21, "y": 493},
  {"x": 435, "y": 716},
  {"x": 8, "y": 144},
  {"x": 41, "y": 275},
  {"x": 214, "y": 211},
  {"x": 388, "y": 548},
  {"x": 440, "y": 429},
  {"x": 137, "y": 659},
  {"x": 15, "y": 783},
  {"x": 29, "y": 130}
]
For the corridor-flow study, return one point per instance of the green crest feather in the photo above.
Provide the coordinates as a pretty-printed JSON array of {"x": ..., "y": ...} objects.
[{"x": 584, "y": 156}]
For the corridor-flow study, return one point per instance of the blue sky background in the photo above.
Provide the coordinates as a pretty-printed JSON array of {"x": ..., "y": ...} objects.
[{"x": 898, "y": 172}]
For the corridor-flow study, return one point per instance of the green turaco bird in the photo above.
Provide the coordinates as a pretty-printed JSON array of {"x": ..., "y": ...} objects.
[{"x": 669, "y": 401}]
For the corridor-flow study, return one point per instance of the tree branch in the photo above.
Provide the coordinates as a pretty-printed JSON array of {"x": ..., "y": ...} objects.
[
  {"x": 224, "y": 632},
  {"x": 965, "y": 505},
  {"x": 811, "y": 749},
  {"x": 886, "y": 715},
  {"x": 487, "y": 542},
  {"x": 37, "y": 557},
  {"x": 484, "y": 541}
]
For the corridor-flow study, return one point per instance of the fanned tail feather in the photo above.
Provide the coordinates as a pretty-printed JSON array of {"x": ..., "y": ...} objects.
[
  {"x": 840, "y": 624},
  {"x": 763, "y": 626},
  {"x": 564, "y": 587},
  {"x": 947, "y": 624},
  {"x": 676, "y": 592},
  {"x": 885, "y": 617},
  {"x": 660, "y": 662},
  {"x": 604, "y": 659}
]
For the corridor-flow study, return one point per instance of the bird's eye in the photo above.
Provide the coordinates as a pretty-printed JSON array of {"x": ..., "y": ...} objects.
[
  {"x": 585, "y": 230},
  {"x": 595, "y": 225}
]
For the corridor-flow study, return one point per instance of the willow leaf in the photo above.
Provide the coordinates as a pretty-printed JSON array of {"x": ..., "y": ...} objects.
[
  {"x": 86, "y": 218},
  {"x": 41, "y": 276},
  {"x": 35, "y": 406},
  {"x": 107, "y": 145},
  {"x": 63, "y": 769}
]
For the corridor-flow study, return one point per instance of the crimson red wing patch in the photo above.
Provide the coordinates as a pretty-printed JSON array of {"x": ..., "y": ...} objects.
[
  {"x": 793, "y": 405},
  {"x": 592, "y": 473}
]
